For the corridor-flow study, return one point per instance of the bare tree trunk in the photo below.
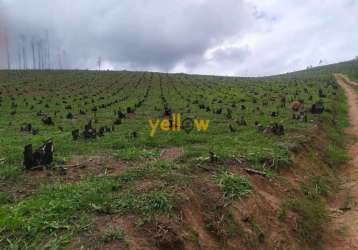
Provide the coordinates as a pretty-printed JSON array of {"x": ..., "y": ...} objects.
[
  {"x": 64, "y": 59},
  {"x": 39, "y": 54},
  {"x": 43, "y": 55},
  {"x": 7, "y": 50},
  {"x": 59, "y": 61},
  {"x": 24, "y": 57},
  {"x": 33, "y": 54},
  {"x": 19, "y": 61},
  {"x": 8, "y": 57},
  {"x": 23, "y": 45},
  {"x": 48, "y": 50},
  {"x": 99, "y": 61}
]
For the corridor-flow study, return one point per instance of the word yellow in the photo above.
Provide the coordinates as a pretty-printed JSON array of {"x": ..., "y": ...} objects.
[{"x": 176, "y": 124}]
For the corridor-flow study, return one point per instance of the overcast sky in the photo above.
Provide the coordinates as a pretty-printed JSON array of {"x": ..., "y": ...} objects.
[{"x": 226, "y": 37}]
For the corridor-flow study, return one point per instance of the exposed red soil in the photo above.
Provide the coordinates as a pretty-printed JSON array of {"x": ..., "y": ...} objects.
[
  {"x": 202, "y": 218},
  {"x": 171, "y": 153},
  {"x": 346, "y": 79},
  {"x": 344, "y": 225},
  {"x": 79, "y": 168}
]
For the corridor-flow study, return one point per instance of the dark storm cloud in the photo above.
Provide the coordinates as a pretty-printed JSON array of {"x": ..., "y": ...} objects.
[
  {"x": 3, "y": 40},
  {"x": 139, "y": 34}
]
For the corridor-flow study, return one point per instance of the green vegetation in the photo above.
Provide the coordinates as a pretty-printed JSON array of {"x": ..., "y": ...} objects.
[
  {"x": 62, "y": 206},
  {"x": 112, "y": 233},
  {"x": 257, "y": 229},
  {"x": 233, "y": 186},
  {"x": 317, "y": 186},
  {"x": 9, "y": 173},
  {"x": 313, "y": 214},
  {"x": 152, "y": 179},
  {"x": 26, "y": 98},
  {"x": 4, "y": 198}
]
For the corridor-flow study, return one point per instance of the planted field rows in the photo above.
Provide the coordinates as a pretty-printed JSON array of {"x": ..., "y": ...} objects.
[{"x": 104, "y": 180}]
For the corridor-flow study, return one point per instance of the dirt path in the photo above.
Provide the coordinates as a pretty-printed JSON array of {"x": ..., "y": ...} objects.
[
  {"x": 345, "y": 207},
  {"x": 346, "y": 79}
]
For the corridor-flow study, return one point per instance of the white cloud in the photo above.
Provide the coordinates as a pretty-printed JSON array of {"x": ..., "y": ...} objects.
[{"x": 290, "y": 35}]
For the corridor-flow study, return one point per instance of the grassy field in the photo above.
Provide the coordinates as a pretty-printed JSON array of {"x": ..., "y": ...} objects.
[{"x": 239, "y": 182}]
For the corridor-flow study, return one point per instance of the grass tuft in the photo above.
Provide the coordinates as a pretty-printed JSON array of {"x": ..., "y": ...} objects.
[
  {"x": 111, "y": 234},
  {"x": 234, "y": 186}
]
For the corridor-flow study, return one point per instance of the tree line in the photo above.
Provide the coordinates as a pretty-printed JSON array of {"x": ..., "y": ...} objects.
[{"x": 35, "y": 51}]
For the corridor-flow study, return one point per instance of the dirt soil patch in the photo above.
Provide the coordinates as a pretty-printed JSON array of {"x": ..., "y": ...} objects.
[
  {"x": 171, "y": 153},
  {"x": 344, "y": 225},
  {"x": 80, "y": 167}
]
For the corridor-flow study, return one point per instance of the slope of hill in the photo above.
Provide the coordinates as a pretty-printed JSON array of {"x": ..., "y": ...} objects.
[
  {"x": 250, "y": 165},
  {"x": 349, "y": 68}
]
